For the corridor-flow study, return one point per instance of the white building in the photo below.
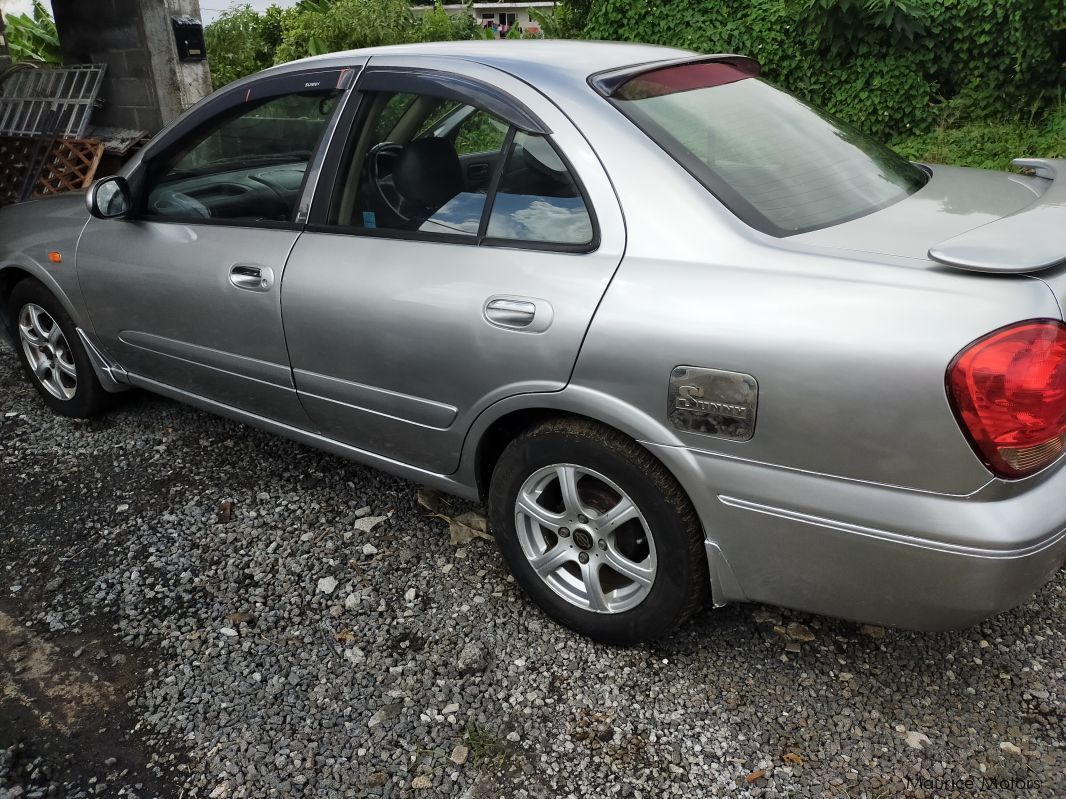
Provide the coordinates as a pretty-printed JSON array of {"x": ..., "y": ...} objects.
[{"x": 501, "y": 16}]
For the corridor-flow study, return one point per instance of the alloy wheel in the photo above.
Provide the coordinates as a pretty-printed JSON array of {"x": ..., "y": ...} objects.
[
  {"x": 47, "y": 351},
  {"x": 585, "y": 538}
]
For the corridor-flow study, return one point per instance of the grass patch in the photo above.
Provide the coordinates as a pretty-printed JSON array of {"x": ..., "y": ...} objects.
[
  {"x": 484, "y": 743},
  {"x": 989, "y": 146}
]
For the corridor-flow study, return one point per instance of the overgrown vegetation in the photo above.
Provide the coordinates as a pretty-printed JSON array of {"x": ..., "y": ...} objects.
[
  {"x": 892, "y": 67},
  {"x": 967, "y": 81},
  {"x": 989, "y": 145},
  {"x": 242, "y": 41},
  {"x": 33, "y": 38}
]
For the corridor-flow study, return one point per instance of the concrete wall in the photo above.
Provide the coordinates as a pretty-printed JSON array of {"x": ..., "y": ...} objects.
[
  {"x": 485, "y": 12},
  {"x": 5, "y": 58},
  {"x": 145, "y": 85},
  {"x": 522, "y": 17}
]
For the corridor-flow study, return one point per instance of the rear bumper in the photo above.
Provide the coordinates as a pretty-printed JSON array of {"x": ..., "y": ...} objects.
[{"x": 873, "y": 553}]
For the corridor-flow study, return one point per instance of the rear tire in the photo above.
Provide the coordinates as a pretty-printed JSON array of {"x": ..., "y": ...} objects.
[
  {"x": 52, "y": 356},
  {"x": 554, "y": 500}
]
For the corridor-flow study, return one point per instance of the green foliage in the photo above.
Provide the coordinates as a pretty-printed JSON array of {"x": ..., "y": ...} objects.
[
  {"x": 323, "y": 26},
  {"x": 566, "y": 21},
  {"x": 242, "y": 41},
  {"x": 485, "y": 745},
  {"x": 846, "y": 25},
  {"x": 989, "y": 146},
  {"x": 436, "y": 24},
  {"x": 892, "y": 67},
  {"x": 33, "y": 38}
]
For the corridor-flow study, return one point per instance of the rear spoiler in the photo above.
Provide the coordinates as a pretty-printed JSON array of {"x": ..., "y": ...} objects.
[{"x": 1031, "y": 240}]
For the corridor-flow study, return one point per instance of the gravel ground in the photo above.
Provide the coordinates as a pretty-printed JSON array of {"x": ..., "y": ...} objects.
[{"x": 306, "y": 647}]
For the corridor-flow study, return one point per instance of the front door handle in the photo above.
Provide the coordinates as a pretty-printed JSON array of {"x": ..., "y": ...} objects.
[
  {"x": 251, "y": 277},
  {"x": 519, "y": 313}
]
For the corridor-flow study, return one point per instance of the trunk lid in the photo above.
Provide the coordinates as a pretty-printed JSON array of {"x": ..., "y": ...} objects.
[
  {"x": 975, "y": 220},
  {"x": 1028, "y": 241},
  {"x": 946, "y": 214}
]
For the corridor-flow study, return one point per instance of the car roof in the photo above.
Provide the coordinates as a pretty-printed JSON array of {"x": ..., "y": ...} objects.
[{"x": 532, "y": 60}]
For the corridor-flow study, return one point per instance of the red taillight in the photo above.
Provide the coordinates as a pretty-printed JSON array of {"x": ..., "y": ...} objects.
[{"x": 1008, "y": 391}]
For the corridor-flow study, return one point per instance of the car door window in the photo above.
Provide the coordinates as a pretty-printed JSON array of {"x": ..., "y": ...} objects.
[
  {"x": 420, "y": 165},
  {"x": 538, "y": 200},
  {"x": 247, "y": 166}
]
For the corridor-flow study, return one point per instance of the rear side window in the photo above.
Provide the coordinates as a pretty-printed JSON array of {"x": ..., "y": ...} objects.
[
  {"x": 537, "y": 199},
  {"x": 781, "y": 165}
]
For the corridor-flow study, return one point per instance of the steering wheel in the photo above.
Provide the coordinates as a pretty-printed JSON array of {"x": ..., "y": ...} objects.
[
  {"x": 379, "y": 171},
  {"x": 175, "y": 203}
]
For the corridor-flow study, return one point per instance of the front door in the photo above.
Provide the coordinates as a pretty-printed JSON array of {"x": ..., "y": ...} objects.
[
  {"x": 457, "y": 260},
  {"x": 187, "y": 292}
]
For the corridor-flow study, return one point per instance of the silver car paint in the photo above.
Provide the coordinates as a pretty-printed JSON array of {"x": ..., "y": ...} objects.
[
  {"x": 993, "y": 247},
  {"x": 174, "y": 316},
  {"x": 429, "y": 361},
  {"x": 857, "y": 496},
  {"x": 30, "y": 231}
]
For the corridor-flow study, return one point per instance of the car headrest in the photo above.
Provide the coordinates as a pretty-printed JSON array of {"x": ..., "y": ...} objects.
[{"x": 428, "y": 172}]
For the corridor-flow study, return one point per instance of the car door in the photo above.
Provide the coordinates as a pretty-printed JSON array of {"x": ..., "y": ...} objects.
[
  {"x": 419, "y": 294},
  {"x": 185, "y": 292}
]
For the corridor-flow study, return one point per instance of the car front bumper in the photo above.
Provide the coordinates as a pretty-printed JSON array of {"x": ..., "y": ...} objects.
[{"x": 873, "y": 553}]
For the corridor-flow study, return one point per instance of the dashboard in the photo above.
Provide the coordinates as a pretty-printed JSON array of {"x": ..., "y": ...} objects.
[{"x": 262, "y": 193}]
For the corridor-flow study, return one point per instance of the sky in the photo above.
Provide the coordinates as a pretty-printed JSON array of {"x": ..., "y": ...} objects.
[{"x": 209, "y": 9}]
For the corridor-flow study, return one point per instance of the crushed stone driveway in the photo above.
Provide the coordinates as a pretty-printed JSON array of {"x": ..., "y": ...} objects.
[{"x": 321, "y": 637}]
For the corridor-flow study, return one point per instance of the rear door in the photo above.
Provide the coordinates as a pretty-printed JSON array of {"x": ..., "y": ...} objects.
[{"x": 424, "y": 289}]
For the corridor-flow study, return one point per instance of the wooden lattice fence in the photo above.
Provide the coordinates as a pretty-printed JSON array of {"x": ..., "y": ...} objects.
[{"x": 69, "y": 165}]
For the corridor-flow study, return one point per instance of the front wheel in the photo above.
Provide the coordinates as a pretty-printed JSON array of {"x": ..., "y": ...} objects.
[
  {"x": 598, "y": 532},
  {"x": 51, "y": 353}
]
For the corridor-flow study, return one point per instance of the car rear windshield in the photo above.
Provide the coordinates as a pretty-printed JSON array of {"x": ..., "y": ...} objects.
[{"x": 779, "y": 164}]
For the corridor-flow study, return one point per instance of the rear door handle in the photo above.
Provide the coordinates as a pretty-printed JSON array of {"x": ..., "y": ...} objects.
[
  {"x": 519, "y": 313},
  {"x": 251, "y": 277}
]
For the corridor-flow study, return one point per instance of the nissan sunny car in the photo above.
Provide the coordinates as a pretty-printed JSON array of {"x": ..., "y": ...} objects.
[{"x": 689, "y": 338}]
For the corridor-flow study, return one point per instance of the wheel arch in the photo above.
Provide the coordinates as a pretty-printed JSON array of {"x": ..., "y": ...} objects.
[
  {"x": 501, "y": 422},
  {"x": 11, "y": 274}
]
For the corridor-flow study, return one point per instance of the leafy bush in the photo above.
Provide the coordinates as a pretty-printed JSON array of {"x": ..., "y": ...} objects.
[
  {"x": 322, "y": 26},
  {"x": 33, "y": 38},
  {"x": 892, "y": 67},
  {"x": 242, "y": 41},
  {"x": 566, "y": 21}
]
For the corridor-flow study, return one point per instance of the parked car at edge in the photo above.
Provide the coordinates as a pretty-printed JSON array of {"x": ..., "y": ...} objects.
[{"x": 689, "y": 337}]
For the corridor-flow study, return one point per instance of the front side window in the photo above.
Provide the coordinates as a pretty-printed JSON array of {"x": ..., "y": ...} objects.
[
  {"x": 421, "y": 164},
  {"x": 247, "y": 166},
  {"x": 779, "y": 164}
]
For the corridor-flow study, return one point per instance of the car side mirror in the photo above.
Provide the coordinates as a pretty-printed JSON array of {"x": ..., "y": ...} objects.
[{"x": 109, "y": 198}]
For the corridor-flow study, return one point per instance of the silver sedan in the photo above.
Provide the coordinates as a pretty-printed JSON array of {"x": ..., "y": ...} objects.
[{"x": 688, "y": 337}]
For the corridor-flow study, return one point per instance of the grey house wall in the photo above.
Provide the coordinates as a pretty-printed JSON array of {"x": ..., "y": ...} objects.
[{"x": 145, "y": 85}]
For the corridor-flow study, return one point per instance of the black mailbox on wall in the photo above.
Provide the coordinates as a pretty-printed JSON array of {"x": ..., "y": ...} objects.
[{"x": 189, "y": 36}]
